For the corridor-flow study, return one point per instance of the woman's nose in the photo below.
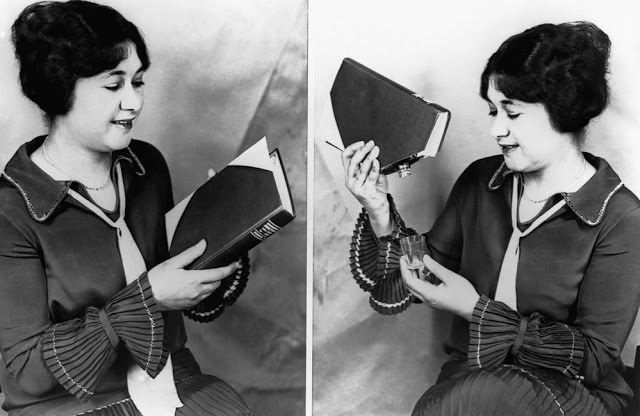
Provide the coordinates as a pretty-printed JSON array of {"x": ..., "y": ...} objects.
[
  {"x": 499, "y": 127},
  {"x": 132, "y": 99}
]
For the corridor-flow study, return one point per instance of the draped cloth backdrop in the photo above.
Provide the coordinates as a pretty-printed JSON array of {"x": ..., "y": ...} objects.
[
  {"x": 223, "y": 74},
  {"x": 366, "y": 363}
]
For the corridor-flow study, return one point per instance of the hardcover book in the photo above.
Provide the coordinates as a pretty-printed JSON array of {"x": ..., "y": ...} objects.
[
  {"x": 367, "y": 105},
  {"x": 241, "y": 206}
]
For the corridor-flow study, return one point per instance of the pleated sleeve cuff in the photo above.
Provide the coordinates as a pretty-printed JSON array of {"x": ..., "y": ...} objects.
[
  {"x": 136, "y": 318},
  {"x": 375, "y": 263},
  {"x": 496, "y": 332},
  {"x": 552, "y": 345},
  {"x": 225, "y": 295},
  {"x": 79, "y": 351},
  {"x": 492, "y": 331}
]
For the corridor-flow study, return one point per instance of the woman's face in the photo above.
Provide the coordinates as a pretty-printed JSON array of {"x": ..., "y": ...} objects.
[
  {"x": 105, "y": 106},
  {"x": 524, "y": 132}
]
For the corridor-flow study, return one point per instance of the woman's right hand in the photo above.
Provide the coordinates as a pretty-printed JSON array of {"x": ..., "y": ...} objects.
[
  {"x": 366, "y": 183},
  {"x": 175, "y": 288}
]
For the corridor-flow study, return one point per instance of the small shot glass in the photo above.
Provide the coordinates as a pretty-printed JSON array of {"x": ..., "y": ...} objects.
[{"x": 414, "y": 248}]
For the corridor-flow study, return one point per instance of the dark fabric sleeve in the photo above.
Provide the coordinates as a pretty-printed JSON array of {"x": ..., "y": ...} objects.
[
  {"x": 588, "y": 349},
  {"x": 496, "y": 331},
  {"x": 444, "y": 239},
  {"x": 373, "y": 258},
  {"x": 609, "y": 296},
  {"x": 375, "y": 263},
  {"x": 76, "y": 353}
]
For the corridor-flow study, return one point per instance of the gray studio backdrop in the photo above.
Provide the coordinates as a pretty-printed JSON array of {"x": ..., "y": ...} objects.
[
  {"x": 366, "y": 363},
  {"x": 223, "y": 74}
]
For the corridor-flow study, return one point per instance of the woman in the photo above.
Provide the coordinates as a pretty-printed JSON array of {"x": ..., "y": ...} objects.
[
  {"x": 90, "y": 318},
  {"x": 537, "y": 250}
]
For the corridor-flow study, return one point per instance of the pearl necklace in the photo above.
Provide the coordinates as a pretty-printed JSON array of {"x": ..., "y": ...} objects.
[
  {"x": 540, "y": 201},
  {"x": 100, "y": 187}
]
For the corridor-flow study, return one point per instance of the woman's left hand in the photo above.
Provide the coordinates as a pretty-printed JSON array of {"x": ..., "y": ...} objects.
[{"x": 455, "y": 294}]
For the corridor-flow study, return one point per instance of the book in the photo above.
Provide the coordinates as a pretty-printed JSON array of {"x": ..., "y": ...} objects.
[
  {"x": 369, "y": 106},
  {"x": 235, "y": 210}
]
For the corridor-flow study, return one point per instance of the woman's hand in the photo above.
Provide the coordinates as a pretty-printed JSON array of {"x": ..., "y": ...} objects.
[
  {"x": 364, "y": 181},
  {"x": 455, "y": 294},
  {"x": 175, "y": 288}
]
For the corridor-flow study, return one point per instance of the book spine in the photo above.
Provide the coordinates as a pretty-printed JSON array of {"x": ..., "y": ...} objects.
[
  {"x": 248, "y": 240},
  {"x": 265, "y": 230}
]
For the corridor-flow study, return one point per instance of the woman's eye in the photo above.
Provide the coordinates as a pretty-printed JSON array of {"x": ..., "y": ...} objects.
[
  {"x": 137, "y": 83},
  {"x": 113, "y": 87},
  {"x": 513, "y": 116},
  {"x": 492, "y": 113}
]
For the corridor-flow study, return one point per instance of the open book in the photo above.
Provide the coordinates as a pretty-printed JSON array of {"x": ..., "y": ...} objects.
[
  {"x": 241, "y": 206},
  {"x": 405, "y": 126}
]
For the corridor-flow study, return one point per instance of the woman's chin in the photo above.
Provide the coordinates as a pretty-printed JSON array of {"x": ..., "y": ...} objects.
[
  {"x": 118, "y": 143},
  {"x": 515, "y": 164}
]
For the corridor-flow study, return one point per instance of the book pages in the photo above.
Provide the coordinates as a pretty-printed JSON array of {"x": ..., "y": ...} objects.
[
  {"x": 172, "y": 217},
  {"x": 257, "y": 156}
]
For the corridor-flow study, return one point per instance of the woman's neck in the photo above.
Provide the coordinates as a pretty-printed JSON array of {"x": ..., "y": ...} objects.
[
  {"x": 564, "y": 174},
  {"x": 72, "y": 158}
]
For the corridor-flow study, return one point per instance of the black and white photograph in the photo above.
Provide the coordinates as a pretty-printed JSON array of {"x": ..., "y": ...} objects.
[
  {"x": 319, "y": 208},
  {"x": 153, "y": 261},
  {"x": 525, "y": 208}
]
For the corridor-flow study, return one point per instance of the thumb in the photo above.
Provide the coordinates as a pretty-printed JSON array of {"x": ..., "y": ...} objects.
[
  {"x": 187, "y": 257},
  {"x": 441, "y": 272},
  {"x": 381, "y": 180},
  {"x": 405, "y": 271},
  {"x": 211, "y": 173},
  {"x": 216, "y": 274},
  {"x": 409, "y": 276}
]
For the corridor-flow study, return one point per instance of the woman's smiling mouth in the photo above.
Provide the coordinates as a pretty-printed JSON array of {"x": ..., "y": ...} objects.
[
  {"x": 506, "y": 148},
  {"x": 127, "y": 124}
]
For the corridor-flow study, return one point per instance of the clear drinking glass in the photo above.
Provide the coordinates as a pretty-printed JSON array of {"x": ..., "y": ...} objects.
[{"x": 414, "y": 247}]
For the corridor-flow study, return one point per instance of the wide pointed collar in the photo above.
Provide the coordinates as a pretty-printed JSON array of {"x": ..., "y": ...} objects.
[
  {"x": 41, "y": 193},
  {"x": 589, "y": 202}
]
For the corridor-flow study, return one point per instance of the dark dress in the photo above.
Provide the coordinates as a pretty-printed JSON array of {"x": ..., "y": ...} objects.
[
  {"x": 69, "y": 324},
  {"x": 578, "y": 294}
]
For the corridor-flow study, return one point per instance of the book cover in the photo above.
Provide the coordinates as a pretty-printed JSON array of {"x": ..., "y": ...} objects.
[
  {"x": 367, "y": 105},
  {"x": 241, "y": 206}
]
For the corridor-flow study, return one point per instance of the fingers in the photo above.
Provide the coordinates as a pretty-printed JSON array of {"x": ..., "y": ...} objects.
[
  {"x": 348, "y": 153},
  {"x": 408, "y": 275},
  {"x": 374, "y": 174},
  {"x": 429, "y": 277},
  {"x": 416, "y": 294},
  {"x": 214, "y": 275},
  {"x": 188, "y": 256},
  {"x": 366, "y": 166},
  {"x": 404, "y": 266},
  {"x": 207, "y": 289},
  {"x": 421, "y": 289},
  {"x": 437, "y": 269},
  {"x": 381, "y": 180},
  {"x": 357, "y": 158}
]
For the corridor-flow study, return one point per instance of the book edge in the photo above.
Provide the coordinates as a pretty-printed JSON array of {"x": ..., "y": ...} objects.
[{"x": 199, "y": 263}]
